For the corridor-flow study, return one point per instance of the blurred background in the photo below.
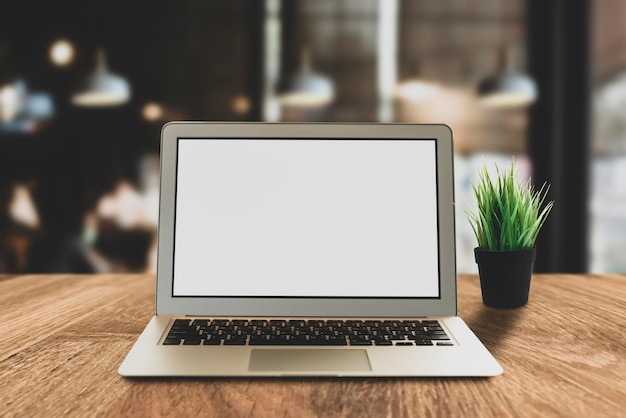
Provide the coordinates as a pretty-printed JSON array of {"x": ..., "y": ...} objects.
[{"x": 86, "y": 86}]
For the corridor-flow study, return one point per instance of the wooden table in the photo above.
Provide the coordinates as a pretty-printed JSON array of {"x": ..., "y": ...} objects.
[{"x": 63, "y": 338}]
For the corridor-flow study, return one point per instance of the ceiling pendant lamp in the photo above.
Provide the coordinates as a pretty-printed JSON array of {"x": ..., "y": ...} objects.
[
  {"x": 102, "y": 88},
  {"x": 22, "y": 111},
  {"x": 306, "y": 88},
  {"x": 507, "y": 88}
]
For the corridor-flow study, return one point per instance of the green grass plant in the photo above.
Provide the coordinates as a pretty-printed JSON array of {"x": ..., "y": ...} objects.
[{"x": 509, "y": 212}]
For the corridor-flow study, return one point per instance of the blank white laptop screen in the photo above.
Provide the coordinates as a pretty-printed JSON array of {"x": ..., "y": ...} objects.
[{"x": 306, "y": 218}]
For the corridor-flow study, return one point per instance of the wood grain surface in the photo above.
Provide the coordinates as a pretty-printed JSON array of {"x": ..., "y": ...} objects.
[{"x": 63, "y": 338}]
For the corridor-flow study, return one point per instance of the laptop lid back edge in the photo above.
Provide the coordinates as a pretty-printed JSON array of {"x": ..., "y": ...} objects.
[{"x": 445, "y": 305}]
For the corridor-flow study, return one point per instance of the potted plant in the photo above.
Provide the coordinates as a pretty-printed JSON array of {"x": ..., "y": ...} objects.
[{"x": 506, "y": 222}]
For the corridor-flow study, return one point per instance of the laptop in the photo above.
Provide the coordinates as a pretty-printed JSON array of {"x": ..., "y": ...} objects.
[{"x": 288, "y": 249}]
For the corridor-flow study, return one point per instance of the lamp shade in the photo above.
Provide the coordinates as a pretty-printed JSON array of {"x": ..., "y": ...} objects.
[
  {"x": 22, "y": 111},
  {"x": 101, "y": 88},
  {"x": 9, "y": 103},
  {"x": 39, "y": 106},
  {"x": 415, "y": 90},
  {"x": 306, "y": 88},
  {"x": 507, "y": 89}
]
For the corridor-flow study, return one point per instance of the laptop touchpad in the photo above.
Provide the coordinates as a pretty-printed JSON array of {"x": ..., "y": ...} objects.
[{"x": 308, "y": 360}]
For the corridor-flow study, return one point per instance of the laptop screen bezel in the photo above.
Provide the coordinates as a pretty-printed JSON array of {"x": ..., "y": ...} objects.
[{"x": 168, "y": 304}]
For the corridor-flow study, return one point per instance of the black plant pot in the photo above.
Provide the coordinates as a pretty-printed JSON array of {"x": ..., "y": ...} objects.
[{"x": 505, "y": 276}]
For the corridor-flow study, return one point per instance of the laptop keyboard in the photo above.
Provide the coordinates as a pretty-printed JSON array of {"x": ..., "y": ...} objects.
[{"x": 306, "y": 332}]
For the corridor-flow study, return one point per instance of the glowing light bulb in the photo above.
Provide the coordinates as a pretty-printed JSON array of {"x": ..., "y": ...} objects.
[
  {"x": 62, "y": 52},
  {"x": 241, "y": 105},
  {"x": 152, "y": 111}
]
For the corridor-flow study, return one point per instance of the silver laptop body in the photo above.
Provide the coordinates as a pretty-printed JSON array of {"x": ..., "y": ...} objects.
[{"x": 306, "y": 250}]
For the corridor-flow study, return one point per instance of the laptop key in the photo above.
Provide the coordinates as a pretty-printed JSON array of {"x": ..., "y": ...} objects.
[
  {"x": 171, "y": 341},
  {"x": 178, "y": 323},
  {"x": 360, "y": 343},
  {"x": 202, "y": 323},
  {"x": 235, "y": 342},
  {"x": 263, "y": 340},
  {"x": 180, "y": 332}
]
